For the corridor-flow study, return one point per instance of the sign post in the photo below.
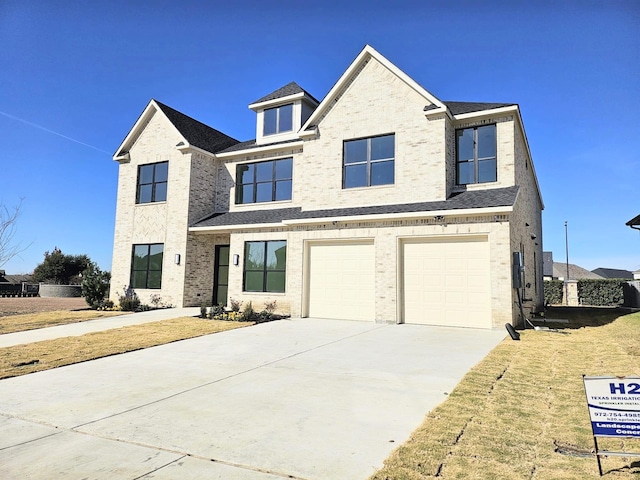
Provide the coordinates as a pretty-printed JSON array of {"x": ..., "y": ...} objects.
[{"x": 614, "y": 409}]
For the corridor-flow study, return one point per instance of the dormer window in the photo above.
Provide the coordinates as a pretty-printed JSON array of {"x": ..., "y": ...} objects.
[{"x": 278, "y": 119}]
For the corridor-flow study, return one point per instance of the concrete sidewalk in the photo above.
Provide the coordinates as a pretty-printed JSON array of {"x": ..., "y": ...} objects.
[
  {"x": 107, "y": 323},
  {"x": 296, "y": 399}
]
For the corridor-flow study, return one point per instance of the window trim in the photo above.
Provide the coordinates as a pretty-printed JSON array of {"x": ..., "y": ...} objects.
[
  {"x": 277, "y": 124},
  {"x": 147, "y": 270},
  {"x": 255, "y": 183},
  {"x": 264, "y": 269},
  {"x": 368, "y": 162},
  {"x": 153, "y": 183},
  {"x": 476, "y": 160}
]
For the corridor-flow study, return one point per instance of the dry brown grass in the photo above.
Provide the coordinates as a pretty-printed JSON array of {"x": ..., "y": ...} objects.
[
  {"x": 521, "y": 413},
  {"x": 38, "y": 356},
  {"x": 31, "y": 321}
]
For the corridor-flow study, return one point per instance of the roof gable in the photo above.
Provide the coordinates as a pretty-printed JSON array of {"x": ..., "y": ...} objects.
[
  {"x": 353, "y": 71},
  {"x": 193, "y": 133}
]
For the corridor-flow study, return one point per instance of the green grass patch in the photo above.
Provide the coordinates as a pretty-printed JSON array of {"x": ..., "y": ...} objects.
[{"x": 522, "y": 413}]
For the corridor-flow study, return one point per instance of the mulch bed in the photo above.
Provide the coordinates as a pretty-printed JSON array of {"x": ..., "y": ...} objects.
[{"x": 16, "y": 306}]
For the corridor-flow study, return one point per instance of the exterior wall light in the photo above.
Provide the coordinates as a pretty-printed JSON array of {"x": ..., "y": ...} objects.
[
  {"x": 177, "y": 259},
  {"x": 236, "y": 259}
]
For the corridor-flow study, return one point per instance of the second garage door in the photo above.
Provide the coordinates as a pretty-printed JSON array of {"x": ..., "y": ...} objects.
[
  {"x": 447, "y": 282},
  {"x": 341, "y": 281}
]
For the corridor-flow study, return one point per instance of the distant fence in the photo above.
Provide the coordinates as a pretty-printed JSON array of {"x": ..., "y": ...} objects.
[
  {"x": 19, "y": 289},
  {"x": 60, "y": 290}
]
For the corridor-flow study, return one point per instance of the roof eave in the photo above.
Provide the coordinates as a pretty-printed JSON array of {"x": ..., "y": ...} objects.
[
  {"x": 358, "y": 218},
  {"x": 262, "y": 149}
]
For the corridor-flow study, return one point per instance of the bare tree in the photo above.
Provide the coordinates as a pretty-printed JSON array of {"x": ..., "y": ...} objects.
[{"x": 8, "y": 227}]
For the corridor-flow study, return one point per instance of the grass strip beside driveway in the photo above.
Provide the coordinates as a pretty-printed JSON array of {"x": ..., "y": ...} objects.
[
  {"x": 32, "y": 321},
  {"x": 521, "y": 413},
  {"x": 35, "y": 357}
]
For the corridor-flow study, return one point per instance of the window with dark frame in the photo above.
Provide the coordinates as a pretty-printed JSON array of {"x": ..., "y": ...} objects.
[
  {"x": 278, "y": 120},
  {"x": 269, "y": 181},
  {"x": 152, "y": 182},
  {"x": 146, "y": 265},
  {"x": 265, "y": 266},
  {"x": 476, "y": 160},
  {"x": 368, "y": 161}
]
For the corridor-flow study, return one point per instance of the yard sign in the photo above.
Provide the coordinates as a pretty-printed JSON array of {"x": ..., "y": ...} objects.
[{"x": 614, "y": 409}]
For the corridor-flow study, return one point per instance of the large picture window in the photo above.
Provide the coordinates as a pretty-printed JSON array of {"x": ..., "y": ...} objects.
[
  {"x": 152, "y": 182},
  {"x": 476, "y": 155},
  {"x": 369, "y": 161},
  {"x": 146, "y": 266},
  {"x": 265, "y": 266},
  {"x": 264, "y": 181},
  {"x": 278, "y": 120}
]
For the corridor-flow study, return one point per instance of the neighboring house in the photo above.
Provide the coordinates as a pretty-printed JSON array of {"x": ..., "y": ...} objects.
[
  {"x": 575, "y": 272},
  {"x": 379, "y": 203},
  {"x": 636, "y": 275},
  {"x": 614, "y": 273}
]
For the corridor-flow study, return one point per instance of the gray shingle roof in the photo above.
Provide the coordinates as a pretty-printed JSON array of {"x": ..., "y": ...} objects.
[
  {"x": 613, "y": 273},
  {"x": 197, "y": 133},
  {"x": 634, "y": 222},
  {"x": 497, "y": 197},
  {"x": 289, "y": 89},
  {"x": 252, "y": 144},
  {"x": 458, "y": 108}
]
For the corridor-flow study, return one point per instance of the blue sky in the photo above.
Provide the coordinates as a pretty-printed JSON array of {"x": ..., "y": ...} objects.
[{"x": 76, "y": 75}]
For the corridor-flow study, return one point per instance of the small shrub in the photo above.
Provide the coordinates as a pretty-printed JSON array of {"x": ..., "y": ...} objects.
[
  {"x": 270, "y": 307},
  {"x": 156, "y": 300},
  {"x": 247, "y": 313},
  {"x": 95, "y": 285},
  {"x": 235, "y": 305},
  {"x": 216, "y": 311},
  {"x": 203, "y": 310},
  {"x": 129, "y": 301}
]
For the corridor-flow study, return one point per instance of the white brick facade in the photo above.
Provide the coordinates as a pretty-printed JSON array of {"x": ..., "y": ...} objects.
[{"x": 372, "y": 98}]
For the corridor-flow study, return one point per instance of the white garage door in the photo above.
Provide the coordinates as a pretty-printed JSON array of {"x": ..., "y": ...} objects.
[
  {"x": 447, "y": 282},
  {"x": 341, "y": 281}
]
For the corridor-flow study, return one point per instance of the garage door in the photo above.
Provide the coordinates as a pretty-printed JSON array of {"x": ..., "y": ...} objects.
[
  {"x": 341, "y": 281},
  {"x": 446, "y": 282}
]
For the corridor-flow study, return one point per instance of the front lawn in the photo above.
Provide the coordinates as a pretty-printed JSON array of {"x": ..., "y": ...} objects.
[
  {"x": 35, "y": 357},
  {"x": 32, "y": 321},
  {"x": 521, "y": 413}
]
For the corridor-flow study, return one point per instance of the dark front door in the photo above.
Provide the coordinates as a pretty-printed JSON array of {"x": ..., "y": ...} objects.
[{"x": 221, "y": 275}]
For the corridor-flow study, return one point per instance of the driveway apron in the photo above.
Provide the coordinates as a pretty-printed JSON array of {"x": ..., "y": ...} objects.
[{"x": 304, "y": 398}]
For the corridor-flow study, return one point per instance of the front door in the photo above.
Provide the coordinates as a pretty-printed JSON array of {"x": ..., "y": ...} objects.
[{"x": 221, "y": 275}]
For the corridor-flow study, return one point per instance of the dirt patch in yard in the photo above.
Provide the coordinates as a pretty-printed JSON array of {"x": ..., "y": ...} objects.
[{"x": 17, "y": 306}]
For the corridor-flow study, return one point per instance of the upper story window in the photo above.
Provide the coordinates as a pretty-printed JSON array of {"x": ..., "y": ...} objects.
[
  {"x": 268, "y": 181},
  {"x": 146, "y": 265},
  {"x": 152, "y": 182},
  {"x": 476, "y": 155},
  {"x": 368, "y": 161},
  {"x": 278, "y": 119}
]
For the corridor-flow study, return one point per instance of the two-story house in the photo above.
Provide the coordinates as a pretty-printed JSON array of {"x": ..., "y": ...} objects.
[{"x": 378, "y": 203}]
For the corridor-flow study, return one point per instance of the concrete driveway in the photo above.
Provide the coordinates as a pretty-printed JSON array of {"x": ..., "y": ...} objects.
[{"x": 302, "y": 399}]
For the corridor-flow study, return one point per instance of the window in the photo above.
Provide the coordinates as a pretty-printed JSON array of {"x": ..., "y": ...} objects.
[
  {"x": 152, "y": 182},
  {"x": 278, "y": 120},
  {"x": 264, "y": 181},
  {"x": 368, "y": 162},
  {"x": 476, "y": 155},
  {"x": 146, "y": 266},
  {"x": 265, "y": 266}
]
